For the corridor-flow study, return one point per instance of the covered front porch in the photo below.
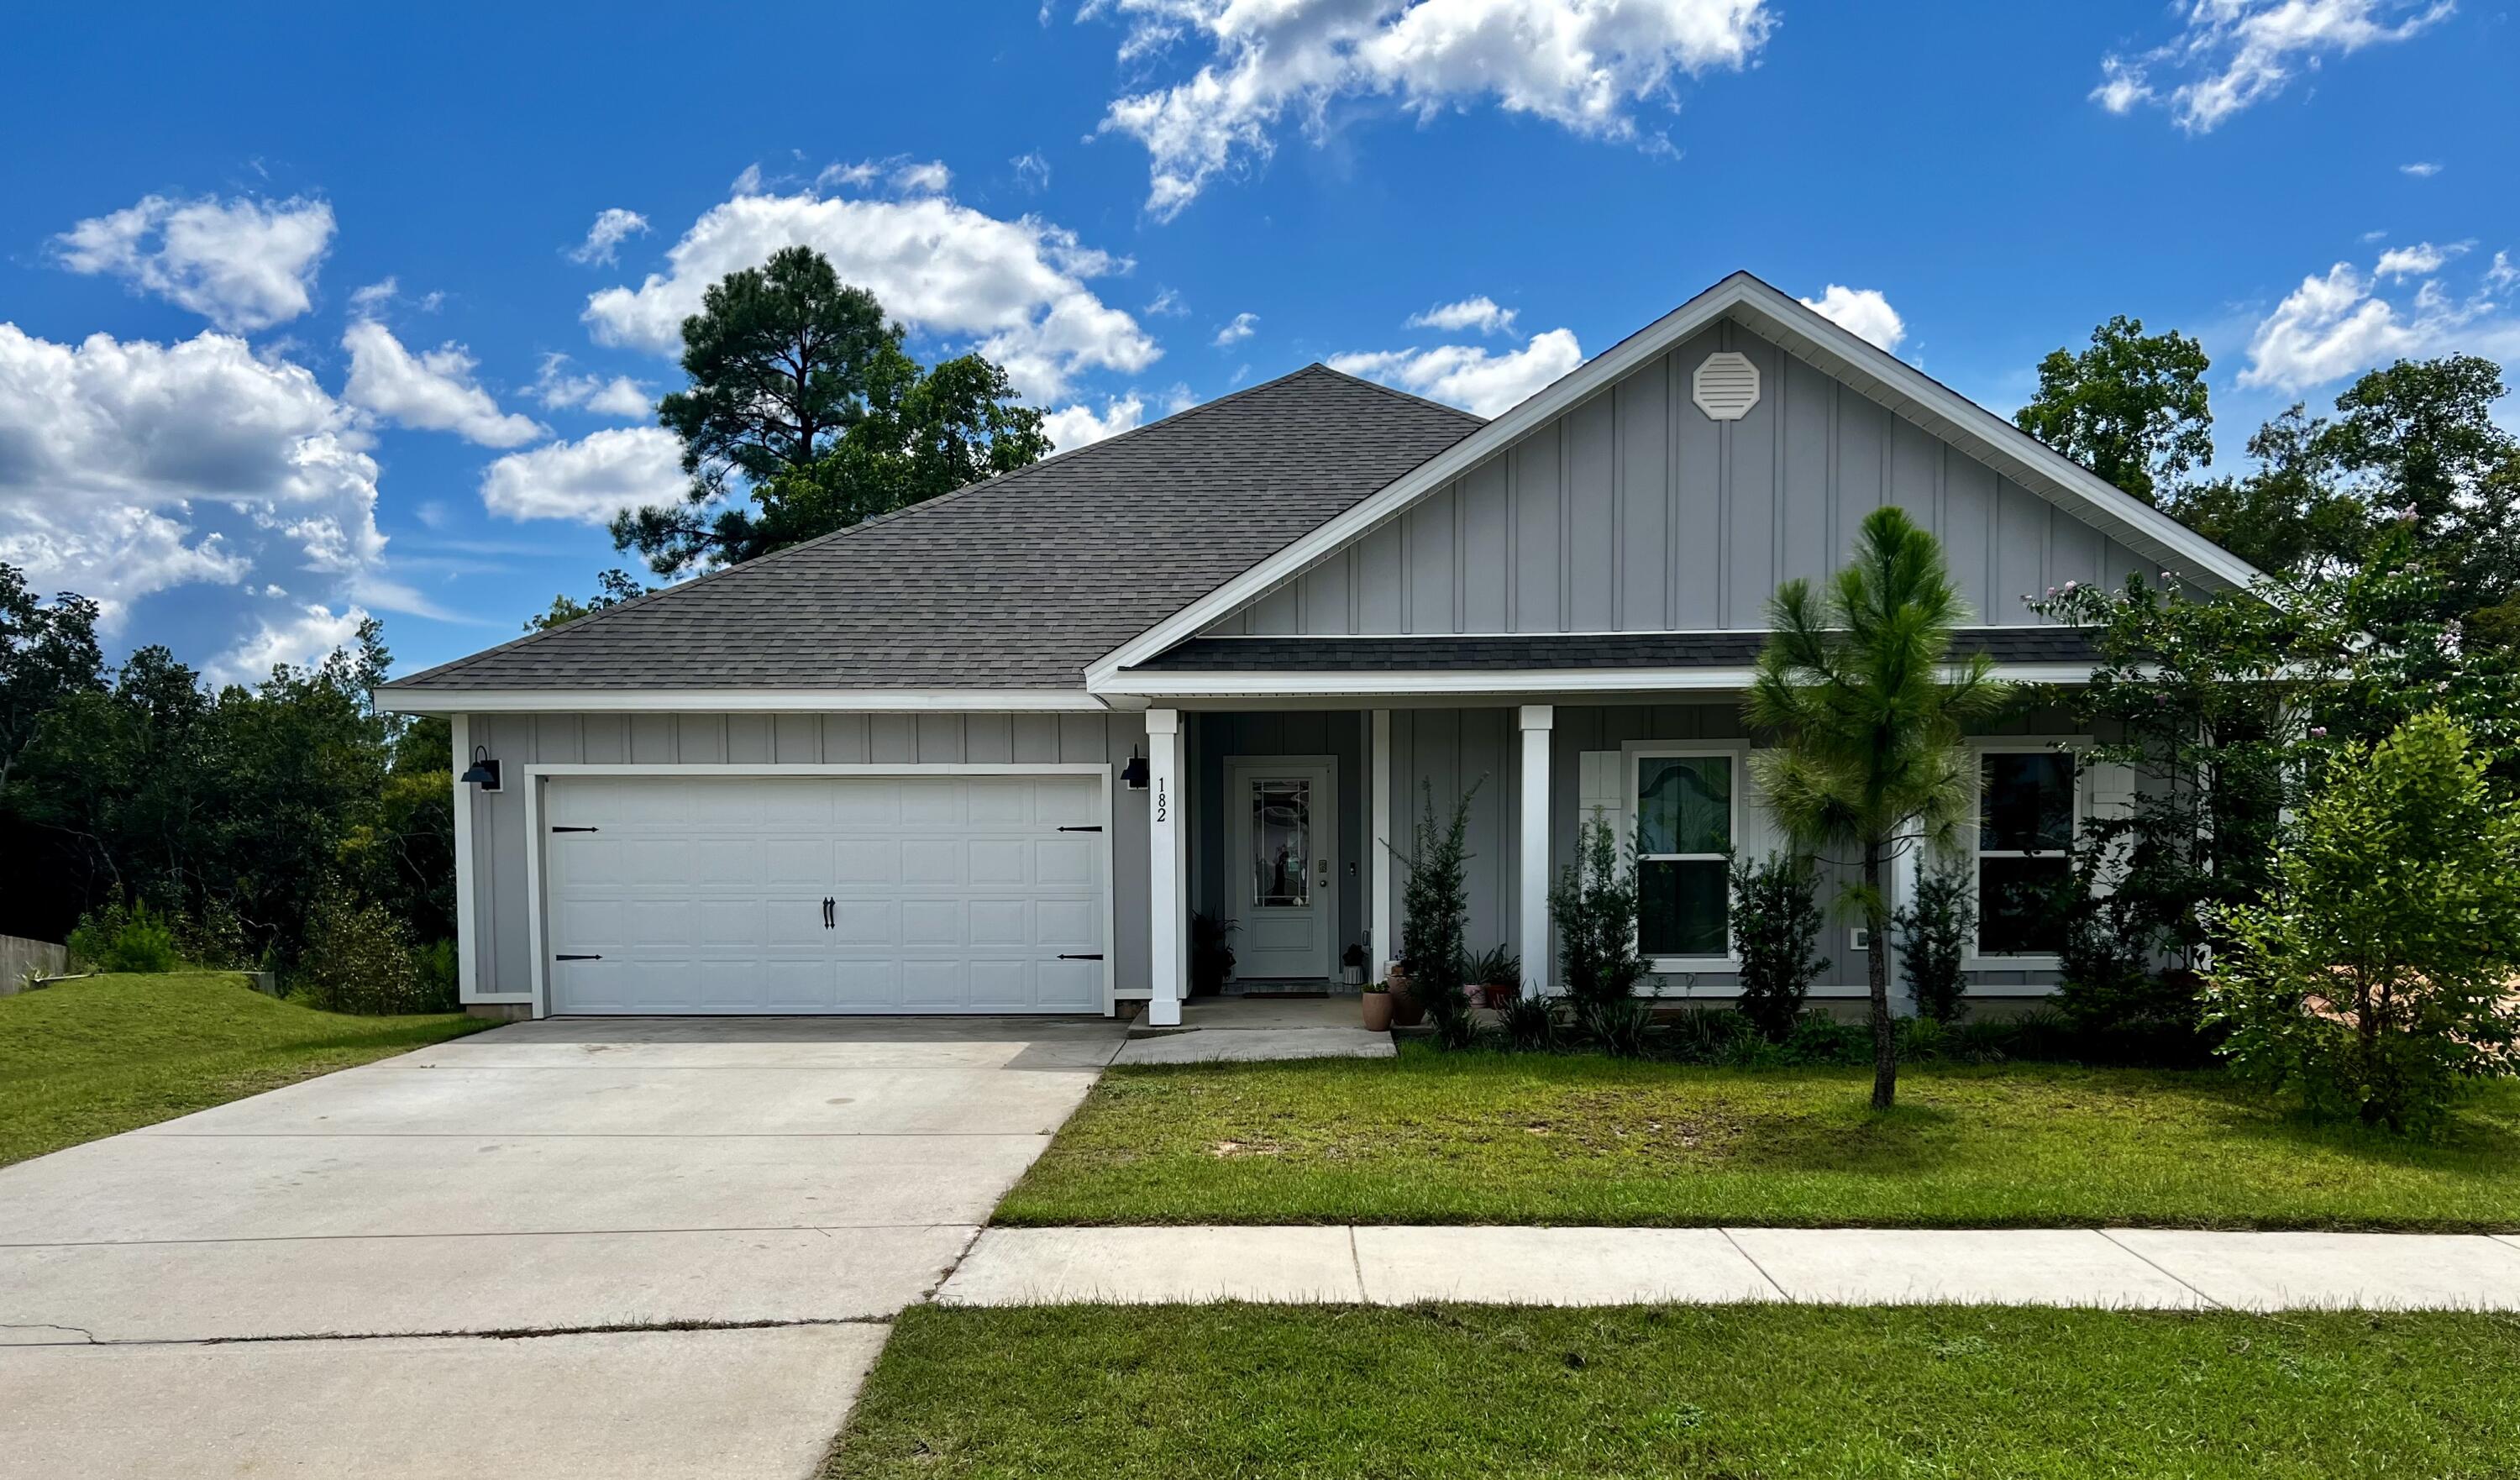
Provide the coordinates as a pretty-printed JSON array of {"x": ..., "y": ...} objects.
[{"x": 1286, "y": 827}]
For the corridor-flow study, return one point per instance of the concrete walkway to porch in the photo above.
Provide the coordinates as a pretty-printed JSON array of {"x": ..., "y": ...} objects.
[
  {"x": 1251, "y": 1029},
  {"x": 2112, "y": 1268}
]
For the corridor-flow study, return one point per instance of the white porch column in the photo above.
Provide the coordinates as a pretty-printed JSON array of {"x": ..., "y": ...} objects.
[
  {"x": 468, "y": 905},
  {"x": 1378, "y": 846},
  {"x": 1531, "y": 877},
  {"x": 1165, "y": 852}
]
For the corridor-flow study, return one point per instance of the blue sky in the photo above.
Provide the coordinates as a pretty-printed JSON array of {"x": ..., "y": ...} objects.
[{"x": 284, "y": 286}]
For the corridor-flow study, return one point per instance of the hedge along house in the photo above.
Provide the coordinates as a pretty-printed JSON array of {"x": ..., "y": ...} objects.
[{"x": 990, "y": 754}]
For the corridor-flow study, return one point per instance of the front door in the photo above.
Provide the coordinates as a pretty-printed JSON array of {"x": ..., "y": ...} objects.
[{"x": 1283, "y": 865}]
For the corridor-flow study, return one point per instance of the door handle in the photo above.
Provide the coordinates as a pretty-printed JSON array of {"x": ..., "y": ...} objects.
[{"x": 828, "y": 909}]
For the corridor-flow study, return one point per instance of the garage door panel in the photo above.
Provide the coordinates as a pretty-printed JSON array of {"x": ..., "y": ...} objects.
[
  {"x": 706, "y": 894},
  {"x": 1067, "y": 986},
  {"x": 934, "y": 983},
  {"x": 932, "y": 922},
  {"x": 866, "y": 861},
  {"x": 1068, "y": 924}
]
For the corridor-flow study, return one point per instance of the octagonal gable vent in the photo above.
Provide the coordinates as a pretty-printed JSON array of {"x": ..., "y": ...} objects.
[{"x": 1726, "y": 385}]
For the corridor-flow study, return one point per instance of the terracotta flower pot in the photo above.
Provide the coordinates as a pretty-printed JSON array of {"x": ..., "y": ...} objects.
[
  {"x": 1406, "y": 1009},
  {"x": 1501, "y": 995},
  {"x": 1377, "y": 1011}
]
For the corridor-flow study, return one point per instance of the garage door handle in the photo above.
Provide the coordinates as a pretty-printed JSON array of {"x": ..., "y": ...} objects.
[
  {"x": 1097, "y": 956},
  {"x": 828, "y": 906},
  {"x": 1095, "y": 829},
  {"x": 578, "y": 957},
  {"x": 577, "y": 829}
]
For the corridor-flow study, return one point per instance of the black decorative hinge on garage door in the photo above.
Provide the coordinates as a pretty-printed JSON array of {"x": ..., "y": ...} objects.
[
  {"x": 1097, "y": 956},
  {"x": 578, "y": 957},
  {"x": 1097, "y": 828},
  {"x": 577, "y": 829}
]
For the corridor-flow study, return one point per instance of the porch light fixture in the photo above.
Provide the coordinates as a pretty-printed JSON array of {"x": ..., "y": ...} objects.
[
  {"x": 1134, "y": 775},
  {"x": 484, "y": 772}
]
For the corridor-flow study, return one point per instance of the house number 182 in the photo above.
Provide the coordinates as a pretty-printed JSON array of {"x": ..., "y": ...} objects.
[{"x": 1162, "y": 813}]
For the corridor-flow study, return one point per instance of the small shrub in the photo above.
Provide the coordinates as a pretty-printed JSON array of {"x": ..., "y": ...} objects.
[
  {"x": 2377, "y": 982},
  {"x": 442, "y": 984},
  {"x": 1594, "y": 907},
  {"x": 1777, "y": 920},
  {"x": 1212, "y": 953},
  {"x": 1934, "y": 932},
  {"x": 1622, "y": 1028},
  {"x": 1435, "y": 919},
  {"x": 1529, "y": 1024},
  {"x": 358, "y": 959},
  {"x": 1497, "y": 966},
  {"x": 1817, "y": 1038},
  {"x": 1705, "y": 1035},
  {"x": 215, "y": 938},
  {"x": 125, "y": 937}
]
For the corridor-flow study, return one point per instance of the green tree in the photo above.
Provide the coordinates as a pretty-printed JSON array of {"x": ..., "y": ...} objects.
[
  {"x": 1869, "y": 705},
  {"x": 1434, "y": 919},
  {"x": 805, "y": 414},
  {"x": 2292, "y": 512},
  {"x": 47, "y": 654},
  {"x": 1777, "y": 920},
  {"x": 2420, "y": 443},
  {"x": 2378, "y": 976},
  {"x": 2131, "y": 407},
  {"x": 612, "y": 589}
]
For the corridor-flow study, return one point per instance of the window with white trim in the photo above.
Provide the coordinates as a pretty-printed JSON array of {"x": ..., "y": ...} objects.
[
  {"x": 2026, "y": 815},
  {"x": 1686, "y": 808}
]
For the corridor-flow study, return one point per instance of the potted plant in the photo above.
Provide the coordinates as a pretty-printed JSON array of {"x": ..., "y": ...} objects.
[
  {"x": 1352, "y": 965},
  {"x": 1211, "y": 953},
  {"x": 1377, "y": 1006},
  {"x": 1407, "y": 1011},
  {"x": 1497, "y": 976}
]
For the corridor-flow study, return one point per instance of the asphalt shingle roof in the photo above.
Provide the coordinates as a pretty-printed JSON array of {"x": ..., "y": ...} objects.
[
  {"x": 1627, "y": 650},
  {"x": 1020, "y": 582}
]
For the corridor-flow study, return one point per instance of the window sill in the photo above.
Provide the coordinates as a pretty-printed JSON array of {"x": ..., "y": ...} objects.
[
  {"x": 1677, "y": 966},
  {"x": 2013, "y": 964}
]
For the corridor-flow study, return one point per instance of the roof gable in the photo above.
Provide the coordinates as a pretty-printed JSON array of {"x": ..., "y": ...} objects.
[{"x": 1716, "y": 570}]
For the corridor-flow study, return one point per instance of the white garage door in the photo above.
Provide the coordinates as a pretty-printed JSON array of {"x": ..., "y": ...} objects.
[{"x": 855, "y": 894}]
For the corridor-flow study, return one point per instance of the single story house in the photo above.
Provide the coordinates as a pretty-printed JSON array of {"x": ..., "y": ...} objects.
[{"x": 992, "y": 752}]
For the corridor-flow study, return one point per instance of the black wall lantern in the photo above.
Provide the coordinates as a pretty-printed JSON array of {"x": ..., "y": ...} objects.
[
  {"x": 484, "y": 772},
  {"x": 1134, "y": 775}
]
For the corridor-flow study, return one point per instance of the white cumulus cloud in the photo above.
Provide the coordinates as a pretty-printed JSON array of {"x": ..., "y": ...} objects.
[
  {"x": 1583, "y": 65},
  {"x": 1243, "y": 327},
  {"x": 2416, "y": 260},
  {"x": 558, "y": 388},
  {"x": 2339, "y": 324},
  {"x": 1074, "y": 427},
  {"x": 2421, "y": 169},
  {"x": 129, "y": 468},
  {"x": 588, "y": 480},
  {"x": 1467, "y": 376},
  {"x": 243, "y": 264},
  {"x": 433, "y": 390},
  {"x": 1017, "y": 291},
  {"x": 1862, "y": 312},
  {"x": 612, "y": 226},
  {"x": 2230, "y": 55},
  {"x": 1479, "y": 314},
  {"x": 299, "y": 638}
]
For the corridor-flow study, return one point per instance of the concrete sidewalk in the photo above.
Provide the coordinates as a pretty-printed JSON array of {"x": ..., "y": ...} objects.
[{"x": 2115, "y": 1268}]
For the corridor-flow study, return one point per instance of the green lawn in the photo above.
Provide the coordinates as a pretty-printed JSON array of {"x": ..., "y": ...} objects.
[
  {"x": 92, "y": 1057},
  {"x": 1493, "y": 1138},
  {"x": 1778, "y": 1391}
]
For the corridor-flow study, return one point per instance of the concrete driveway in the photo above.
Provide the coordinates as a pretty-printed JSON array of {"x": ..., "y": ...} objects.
[{"x": 337, "y": 1278}]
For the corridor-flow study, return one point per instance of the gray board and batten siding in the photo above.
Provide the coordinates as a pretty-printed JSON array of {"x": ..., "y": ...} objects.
[{"x": 1636, "y": 512}]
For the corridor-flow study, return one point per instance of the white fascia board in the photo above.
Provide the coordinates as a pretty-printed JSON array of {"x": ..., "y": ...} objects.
[
  {"x": 735, "y": 701},
  {"x": 1499, "y": 681},
  {"x": 2045, "y": 470}
]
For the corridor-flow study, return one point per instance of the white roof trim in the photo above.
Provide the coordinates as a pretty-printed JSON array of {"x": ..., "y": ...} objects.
[
  {"x": 1500, "y": 681},
  {"x": 1904, "y": 390},
  {"x": 735, "y": 700}
]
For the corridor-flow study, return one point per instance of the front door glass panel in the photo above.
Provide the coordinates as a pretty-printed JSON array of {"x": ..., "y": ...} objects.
[{"x": 1282, "y": 839}]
